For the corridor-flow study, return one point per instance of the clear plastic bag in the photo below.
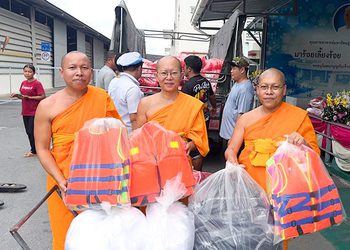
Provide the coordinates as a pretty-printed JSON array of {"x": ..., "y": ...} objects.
[
  {"x": 99, "y": 170},
  {"x": 200, "y": 176},
  {"x": 111, "y": 228},
  {"x": 157, "y": 155},
  {"x": 231, "y": 212},
  {"x": 303, "y": 195},
  {"x": 170, "y": 223}
]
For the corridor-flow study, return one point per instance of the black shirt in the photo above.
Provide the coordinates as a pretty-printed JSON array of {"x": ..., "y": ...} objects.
[{"x": 200, "y": 88}]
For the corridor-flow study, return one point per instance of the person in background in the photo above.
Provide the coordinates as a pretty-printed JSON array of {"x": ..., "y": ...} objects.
[
  {"x": 125, "y": 90},
  {"x": 240, "y": 99},
  {"x": 173, "y": 109},
  {"x": 346, "y": 27},
  {"x": 108, "y": 71},
  {"x": 31, "y": 93},
  {"x": 58, "y": 118},
  {"x": 200, "y": 88}
]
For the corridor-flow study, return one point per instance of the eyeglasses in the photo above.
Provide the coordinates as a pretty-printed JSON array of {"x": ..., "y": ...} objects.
[
  {"x": 272, "y": 87},
  {"x": 174, "y": 74}
]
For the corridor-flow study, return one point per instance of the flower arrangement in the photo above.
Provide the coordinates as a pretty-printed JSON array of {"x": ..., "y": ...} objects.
[{"x": 337, "y": 108}]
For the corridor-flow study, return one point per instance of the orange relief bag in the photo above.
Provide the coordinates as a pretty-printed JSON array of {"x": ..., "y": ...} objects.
[
  {"x": 157, "y": 155},
  {"x": 99, "y": 170},
  {"x": 303, "y": 195}
]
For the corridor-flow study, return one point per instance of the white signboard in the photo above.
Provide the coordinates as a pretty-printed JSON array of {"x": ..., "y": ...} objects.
[{"x": 45, "y": 56}]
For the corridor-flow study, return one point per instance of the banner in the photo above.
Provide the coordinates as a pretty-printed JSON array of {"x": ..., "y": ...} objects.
[{"x": 312, "y": 48}]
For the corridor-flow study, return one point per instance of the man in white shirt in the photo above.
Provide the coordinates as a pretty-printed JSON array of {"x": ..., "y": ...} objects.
[
  {"x": 125, "y": 90},
  {"x": 107, "y": 72}
]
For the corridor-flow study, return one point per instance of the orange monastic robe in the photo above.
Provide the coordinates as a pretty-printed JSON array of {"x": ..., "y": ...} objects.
[
  {"x": 261, "y": 138},
  {"x": 185, "y": 117},
  {"x": 94, "y": 104}
]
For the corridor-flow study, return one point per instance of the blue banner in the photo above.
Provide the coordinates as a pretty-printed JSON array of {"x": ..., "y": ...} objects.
[{"x": 312, "y": 48}]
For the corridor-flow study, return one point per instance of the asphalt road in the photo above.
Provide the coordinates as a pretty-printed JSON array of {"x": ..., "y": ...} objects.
[{"x": 15, "y": 168}]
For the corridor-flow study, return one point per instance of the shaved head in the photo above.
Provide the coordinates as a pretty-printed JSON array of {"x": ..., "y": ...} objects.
[
  {"x": 272, "y": 72},
  {"x": 73, "y": 53},
  {"x": 347, "y": 17},
  {"x": 169, "y": 59}
]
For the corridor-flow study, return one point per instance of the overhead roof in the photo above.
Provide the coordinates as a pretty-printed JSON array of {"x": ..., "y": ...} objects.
[
  {"x": 54, "y": 11},
  {"x": 211, "y": 10}
]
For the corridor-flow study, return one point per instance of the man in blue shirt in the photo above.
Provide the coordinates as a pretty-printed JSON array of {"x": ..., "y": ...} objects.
[{"x": 240, "y": 99}]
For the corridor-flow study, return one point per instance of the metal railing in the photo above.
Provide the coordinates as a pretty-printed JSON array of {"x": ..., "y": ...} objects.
[
  {"x": 14, "y": 230},
  {"x": 329, "y": 155}
]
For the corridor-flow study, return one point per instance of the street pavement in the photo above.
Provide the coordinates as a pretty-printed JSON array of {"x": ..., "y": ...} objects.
[{"x": 15, "y": 168}]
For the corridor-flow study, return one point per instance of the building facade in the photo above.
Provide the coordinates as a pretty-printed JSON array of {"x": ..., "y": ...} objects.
[
  {"x": 183, "y": 13},
  {"x": 37, "y": 32}
]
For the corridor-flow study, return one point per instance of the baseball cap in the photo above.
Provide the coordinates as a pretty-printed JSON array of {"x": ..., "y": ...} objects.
[
  {"x": 239, "y": 62},
  {"x": 130, "y": 58}
]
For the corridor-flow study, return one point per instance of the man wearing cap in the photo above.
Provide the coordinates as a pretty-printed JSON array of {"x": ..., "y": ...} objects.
[
  {"x": 107, "y": 72},
  {"x": 125, "y": 90},
  {"x": 240, "y": 99}
]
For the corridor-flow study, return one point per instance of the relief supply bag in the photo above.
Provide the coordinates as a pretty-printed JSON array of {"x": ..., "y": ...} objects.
[
  {"x": 170, "y": 224},
  {"x": 303, "y": 195},
  {"x": 99, "y": 170},
  {"x": 156, "y": 155},
  {"x": 231, "y": 211},
  {"x": 111, "y": 228}
]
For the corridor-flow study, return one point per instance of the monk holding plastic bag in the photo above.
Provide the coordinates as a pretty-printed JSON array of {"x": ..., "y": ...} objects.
[
  {"x": 303, "y": 195},
  {"x": 99, "y": 170},
  {"x": 231, "y": 212}
]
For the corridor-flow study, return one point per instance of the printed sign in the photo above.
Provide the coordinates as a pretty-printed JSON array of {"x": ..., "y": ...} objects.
[
  {"x": 45, "y": 46},
  {"x": 312, "y": 48},
  {"x": 45, "y": 56}
]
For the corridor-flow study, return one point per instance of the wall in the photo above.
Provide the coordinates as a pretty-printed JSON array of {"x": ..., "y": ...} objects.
[
  {"x": 60, "y": 48},
  {"x": 26, "y": 37},
  {"x": 80, "y": 41},
  {"x": 24, "y": 47}
]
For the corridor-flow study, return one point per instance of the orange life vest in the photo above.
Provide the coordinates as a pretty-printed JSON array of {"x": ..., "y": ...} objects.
[
  {"x": 303, "y": 196},
  {"x": 157, "y": 155},
  {"x": 99, "y": 169}
]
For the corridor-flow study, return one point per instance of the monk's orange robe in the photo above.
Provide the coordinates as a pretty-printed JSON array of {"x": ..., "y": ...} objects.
[
  {"x": 96, "y": 103},
  {"x": 261, "y": 138},
  {"x": 185, "y": 117}
]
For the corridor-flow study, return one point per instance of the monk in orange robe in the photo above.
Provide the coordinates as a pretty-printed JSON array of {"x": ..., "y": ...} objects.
[
  {"x": 59, "y": 117},
  {"x": 173, "y": 109},
  {"x": 265, "y": 126}
]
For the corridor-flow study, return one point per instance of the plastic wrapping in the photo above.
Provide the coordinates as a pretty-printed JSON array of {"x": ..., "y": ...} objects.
[
  {"x": 200, "y": 176},
  {"x": 231, "y": 212},
  {"x": 157, "y": 155},
  {"x": 99, "y": 170},
  {"x": 170, "y": 223},
  {"x": 316, "y": 106},
  {"x": 112, "y": 228},
  {"x": 303, "y": 195}
]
